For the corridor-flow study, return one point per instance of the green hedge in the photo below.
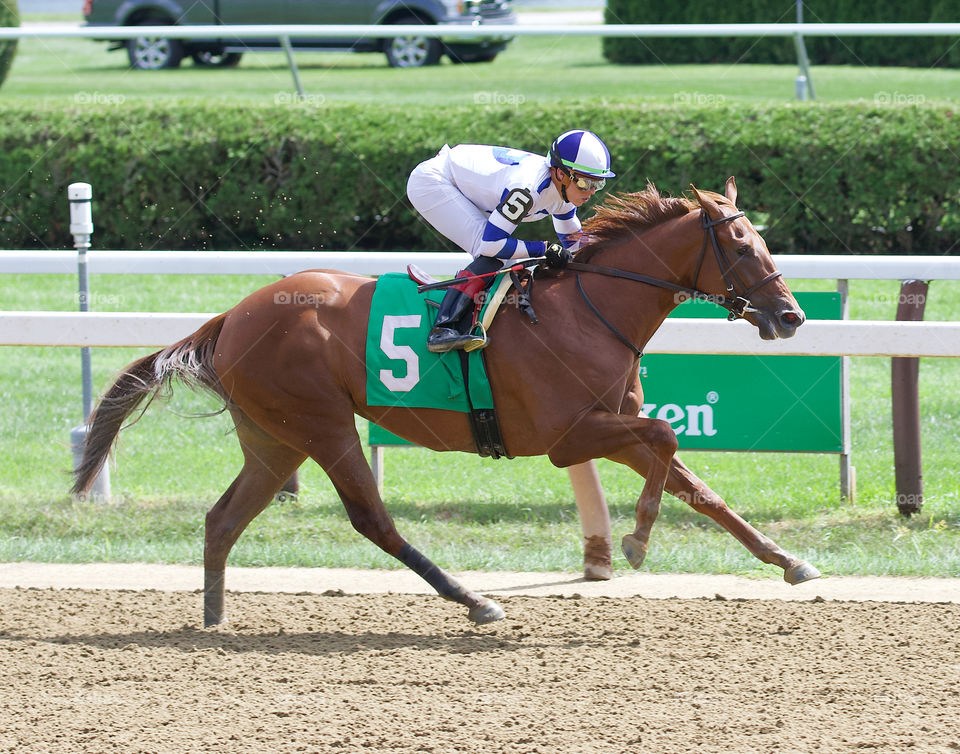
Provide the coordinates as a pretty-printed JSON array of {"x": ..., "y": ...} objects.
[
  {"x": 827, "y": 179},
  {"x": 903, "y": 51},
  {"x": 8, "y": 48}
]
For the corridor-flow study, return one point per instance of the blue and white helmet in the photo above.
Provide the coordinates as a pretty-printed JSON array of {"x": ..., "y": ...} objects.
[{"x": 583, "y": 152}]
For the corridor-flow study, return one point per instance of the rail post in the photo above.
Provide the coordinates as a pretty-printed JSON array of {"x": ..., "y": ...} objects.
[
  {"x": 905, "y": 392},
  {"x": 848, "y": 472},
  {"x": 81, "y": 228},
  {"x": 804, "y": 81}
]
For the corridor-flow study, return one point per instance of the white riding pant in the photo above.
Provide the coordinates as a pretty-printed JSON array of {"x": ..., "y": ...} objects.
[{"x": 432, "y": 193}]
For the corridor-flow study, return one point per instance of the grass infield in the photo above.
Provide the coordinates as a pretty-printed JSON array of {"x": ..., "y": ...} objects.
[{"x": 532, "y": 71}]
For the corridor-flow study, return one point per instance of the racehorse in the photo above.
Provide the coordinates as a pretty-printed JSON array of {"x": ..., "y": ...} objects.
[{"x": 288, "y": 362}]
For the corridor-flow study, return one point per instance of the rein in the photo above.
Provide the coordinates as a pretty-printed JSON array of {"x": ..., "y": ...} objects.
[{"x": 737, "y": 305}]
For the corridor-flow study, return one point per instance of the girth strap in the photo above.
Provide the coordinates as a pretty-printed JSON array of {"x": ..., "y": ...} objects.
[{"x": 483, "y": 421}]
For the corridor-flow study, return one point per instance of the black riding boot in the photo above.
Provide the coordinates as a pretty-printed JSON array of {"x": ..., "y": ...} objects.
[{"x": 450, "y": 331}]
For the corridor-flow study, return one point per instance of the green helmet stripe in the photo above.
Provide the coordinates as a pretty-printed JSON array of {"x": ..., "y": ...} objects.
[{"x": 582, "y": 168}]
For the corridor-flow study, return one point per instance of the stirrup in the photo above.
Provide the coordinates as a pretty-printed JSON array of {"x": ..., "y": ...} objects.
[{"x": 478, "y": 341}]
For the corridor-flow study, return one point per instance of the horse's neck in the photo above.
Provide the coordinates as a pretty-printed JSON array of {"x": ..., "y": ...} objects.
[{"x": 667, "y": 252}]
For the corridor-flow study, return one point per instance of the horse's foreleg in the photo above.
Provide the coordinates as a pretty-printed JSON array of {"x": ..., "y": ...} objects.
[
  {"x": 638, "y": 442},
  {"x": 686, "y": 486},
  {"x": 655, "y": 460}
]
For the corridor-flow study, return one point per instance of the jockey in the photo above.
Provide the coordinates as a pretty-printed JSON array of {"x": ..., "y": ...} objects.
[{"x": 477, "y": 196}]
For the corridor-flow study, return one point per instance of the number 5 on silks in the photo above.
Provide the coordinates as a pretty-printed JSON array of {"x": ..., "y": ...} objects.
[
  {"x": 392, "y": 323},
  {"x": 515, "y": 205}
]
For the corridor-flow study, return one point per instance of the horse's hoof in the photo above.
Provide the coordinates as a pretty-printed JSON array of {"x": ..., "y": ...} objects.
[
  {"x": 800, "y": 572},
  {"x": 634, "y": 550},
  {"x": 597, "y": 572},
  {"x": 486, "y": 611}
]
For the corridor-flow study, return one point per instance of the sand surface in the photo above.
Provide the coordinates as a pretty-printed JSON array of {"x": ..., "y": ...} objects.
[{"x": 374, "y": 664}]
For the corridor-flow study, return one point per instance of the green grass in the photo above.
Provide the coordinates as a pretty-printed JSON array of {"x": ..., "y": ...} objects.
[
  {"x": 533, "y": 70},
  {"x": 463, "y": 511}
]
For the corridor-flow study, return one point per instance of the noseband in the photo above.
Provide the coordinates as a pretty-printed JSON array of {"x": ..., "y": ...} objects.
[{"x": 737, "y": 304}]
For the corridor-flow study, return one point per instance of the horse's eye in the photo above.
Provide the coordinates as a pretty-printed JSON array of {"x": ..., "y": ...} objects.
[{"x": 743, "y": 250}]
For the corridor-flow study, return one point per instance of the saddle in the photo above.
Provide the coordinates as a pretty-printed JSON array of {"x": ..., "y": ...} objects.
[
  {"x": 481, "y": 413},
  {"x": 490, "y": 300}
]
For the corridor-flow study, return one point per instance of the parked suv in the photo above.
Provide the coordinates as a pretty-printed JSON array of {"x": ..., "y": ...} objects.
[{"x": 151, "y": 53}]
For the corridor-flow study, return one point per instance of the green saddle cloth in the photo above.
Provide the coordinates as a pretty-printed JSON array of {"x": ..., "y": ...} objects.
[{"x": 400, "y": 369}]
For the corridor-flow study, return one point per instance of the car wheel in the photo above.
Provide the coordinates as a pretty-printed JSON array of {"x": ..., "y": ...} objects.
[
  {"x": 413, "y": 51},
  {"x": 208, "y": 59},
  {"x": 154, "y": 53}
]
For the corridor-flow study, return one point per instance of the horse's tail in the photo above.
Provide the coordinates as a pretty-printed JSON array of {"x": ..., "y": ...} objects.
[{"x": 189, "y": 360}]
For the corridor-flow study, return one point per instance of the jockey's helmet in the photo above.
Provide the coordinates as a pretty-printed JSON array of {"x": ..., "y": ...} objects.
[{"x": 581, "y": 152}]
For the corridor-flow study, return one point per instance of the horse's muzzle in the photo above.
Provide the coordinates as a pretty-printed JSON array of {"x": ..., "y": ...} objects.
[{"x": 783, "y": 324}]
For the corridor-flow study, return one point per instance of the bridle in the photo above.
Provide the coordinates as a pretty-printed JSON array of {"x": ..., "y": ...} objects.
[{"x": 737, "y": 304}]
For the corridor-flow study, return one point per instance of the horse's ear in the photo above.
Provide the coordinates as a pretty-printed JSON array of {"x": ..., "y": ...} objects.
[
  {"x": 731, "y": 191},
  {"x": 706, "y": 203}
]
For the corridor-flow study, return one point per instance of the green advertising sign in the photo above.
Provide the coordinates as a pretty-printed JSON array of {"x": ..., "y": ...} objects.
[
  {"x": 782, "y": 403},
  {"x": 773, "y": 403}
]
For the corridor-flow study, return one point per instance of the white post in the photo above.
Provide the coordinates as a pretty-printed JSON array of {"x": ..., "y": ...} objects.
[
  {"x": 594, "y": 521},
  {"x": 81, "y": 227},
  {"x": 376, "y": 464}
]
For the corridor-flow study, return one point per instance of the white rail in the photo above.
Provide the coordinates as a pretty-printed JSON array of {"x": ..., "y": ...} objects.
[
  {"x": 684, "y": 336},
  {"x": 688, "y": 336},
  {"x": 350, "y": 31},
  {"x": 824, "y": 267}
]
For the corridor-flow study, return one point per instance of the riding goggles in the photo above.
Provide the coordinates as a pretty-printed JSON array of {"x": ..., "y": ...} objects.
[{"x": 586, "y": 183}]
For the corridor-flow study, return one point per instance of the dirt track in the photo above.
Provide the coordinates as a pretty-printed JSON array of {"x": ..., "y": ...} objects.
[{"x": 109, "y": 670}]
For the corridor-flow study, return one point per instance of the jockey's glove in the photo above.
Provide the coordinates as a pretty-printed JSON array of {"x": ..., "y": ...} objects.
[{"x": 557, "y": 257}]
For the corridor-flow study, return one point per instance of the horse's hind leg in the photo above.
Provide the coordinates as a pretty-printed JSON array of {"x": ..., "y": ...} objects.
[
  {"x": 686, "y": 486},
  {"x": 267, "y": 465},
  {"x": 341, "y": 456}
]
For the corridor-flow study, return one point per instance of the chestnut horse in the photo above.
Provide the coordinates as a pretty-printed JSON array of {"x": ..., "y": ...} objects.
[{"x": 290, "y": 369}]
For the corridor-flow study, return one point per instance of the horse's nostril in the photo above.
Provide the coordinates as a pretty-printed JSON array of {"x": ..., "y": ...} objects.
[{"x": 791, "y": 318}]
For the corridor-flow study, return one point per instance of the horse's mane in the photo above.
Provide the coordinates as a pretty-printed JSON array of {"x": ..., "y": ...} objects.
[{"x": 630, "y": 212}]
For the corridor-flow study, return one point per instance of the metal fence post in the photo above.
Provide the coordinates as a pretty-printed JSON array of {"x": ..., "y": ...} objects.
[
  {"x": 804, "y": 81},
  {"x": 81, "y": 227},
  {"x": 905, "y": 391},
  {"x": 848, "y": 473},
  {"x": 291, "y": 61}
]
